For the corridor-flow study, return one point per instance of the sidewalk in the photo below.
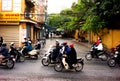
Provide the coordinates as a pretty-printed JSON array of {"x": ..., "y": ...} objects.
[{"x": 86, "y": 44}]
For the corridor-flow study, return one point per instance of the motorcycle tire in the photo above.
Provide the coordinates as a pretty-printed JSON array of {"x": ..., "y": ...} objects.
[
  {"x": 22, "y": 59},
  {"x": 45, "y": 62},
  {"x": 111, "y": 62},
  {"x": 78, "y": 67},
  {"x": 58, "y": 67},
  {"x": 88, "y": 57},
  {"x": 9, "y": 63}
]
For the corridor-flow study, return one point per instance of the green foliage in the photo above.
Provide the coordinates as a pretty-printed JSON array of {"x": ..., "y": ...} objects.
[
  {"x": 97, "y": 14},
  {"x": 64, "y": 20},
  {"x": 94, "y": 15},
  {"x": 93, "y": 23}
]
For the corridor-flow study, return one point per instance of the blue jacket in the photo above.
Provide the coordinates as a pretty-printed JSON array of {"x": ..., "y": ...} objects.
[{"x": 4, "y": 51}]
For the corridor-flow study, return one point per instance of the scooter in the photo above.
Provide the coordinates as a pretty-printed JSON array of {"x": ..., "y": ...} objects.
[
  {"x": 62, "y": 64},
  {"x": 17, "y": 56},
  {"x": 115, "y": 58},
  {"x": 33, "y": 54},
  {"x": 47, "y": 59},
  {"x": 15, "y": 53},
  {"x": 7, "y": 62},
  {"x": 100, "y": 55}
]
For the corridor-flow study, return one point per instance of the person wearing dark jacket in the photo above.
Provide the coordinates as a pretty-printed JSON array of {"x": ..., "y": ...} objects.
[
  {"x": 56, "y": 50},
  {"x": 4, "y": 51},
  {"x": 72, "y": 56}
]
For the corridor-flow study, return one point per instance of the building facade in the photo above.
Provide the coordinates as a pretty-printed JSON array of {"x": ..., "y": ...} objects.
[{"x": 20, "y": 19}]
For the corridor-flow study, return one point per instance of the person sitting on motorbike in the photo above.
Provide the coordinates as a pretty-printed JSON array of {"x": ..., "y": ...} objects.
[
  {"x": 65, "y": 51},
  {"x": 12, "y": 49},
  {"x": 96, "y": 43},
  {"x": 98, "y": 48},
  {"x": 27, "y": 47},
  {"x": 38, "y": 44},
  {"x": 4, "y": 51},
  {"x": 72, "y": 56},
  {"x": 56, "y": 50}
]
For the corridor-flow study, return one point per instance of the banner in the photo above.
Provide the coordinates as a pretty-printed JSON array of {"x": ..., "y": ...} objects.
[{"x": 9, "y": 16}]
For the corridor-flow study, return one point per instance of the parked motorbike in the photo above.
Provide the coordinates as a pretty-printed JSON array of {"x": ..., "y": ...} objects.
[
  {"x": 7, "y": 62},
  {"x": 61, "y": 64},
  {"x": 47, "y": 59},
  {"x": 100, "y": 55},
  {"x": 115, "y": 58}
]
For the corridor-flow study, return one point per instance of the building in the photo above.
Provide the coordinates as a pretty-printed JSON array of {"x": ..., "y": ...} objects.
[{"x": 20, "y": 19}]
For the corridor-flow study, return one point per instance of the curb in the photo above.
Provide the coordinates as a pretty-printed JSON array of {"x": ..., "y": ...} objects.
[{"x": 82, "y": 43}]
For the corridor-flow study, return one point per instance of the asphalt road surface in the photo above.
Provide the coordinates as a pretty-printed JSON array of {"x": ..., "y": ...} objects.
[{"x": 33, "y": 70}]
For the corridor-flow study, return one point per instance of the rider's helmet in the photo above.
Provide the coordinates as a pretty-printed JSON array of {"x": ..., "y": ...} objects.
[
  {"x": 71, "y": 45},
  {"x": 12, "y": 43},
  {"x": 4, "y": 44},
  {"x": 64, "y": 43},
  {"x": 57, "y": 42}
]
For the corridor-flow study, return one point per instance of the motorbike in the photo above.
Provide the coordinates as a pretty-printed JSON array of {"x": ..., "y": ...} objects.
[
  {"x": 8, "y": 62},
  {"x": 17, "y": 55},
  {"x": 62, "y": 64},
  {"x": 33, "y": 54},
  {"x": 47, "y": 59},
  {"x": 100, "y": 55},
  {"x": 115, "y": 58}
]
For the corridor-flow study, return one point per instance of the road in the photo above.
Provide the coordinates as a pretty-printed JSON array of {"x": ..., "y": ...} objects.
[{"x": 33, "y": 70}]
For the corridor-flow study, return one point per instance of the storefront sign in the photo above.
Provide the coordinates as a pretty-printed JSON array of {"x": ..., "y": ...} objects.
[{"x": 9, "y": 17}]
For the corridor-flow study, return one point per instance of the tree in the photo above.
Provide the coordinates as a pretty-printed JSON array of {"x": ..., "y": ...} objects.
[{"x": 97, "y": 14}]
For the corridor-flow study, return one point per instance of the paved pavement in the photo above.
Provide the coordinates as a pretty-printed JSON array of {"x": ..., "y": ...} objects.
[
  {"x": 86, "y": 44},
  {"x": 33, "y": 70}
]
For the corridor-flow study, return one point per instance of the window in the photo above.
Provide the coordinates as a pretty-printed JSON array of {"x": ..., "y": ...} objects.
[
  {"x": 6, "y": 5},
  {"x": 17, "y": 5}
]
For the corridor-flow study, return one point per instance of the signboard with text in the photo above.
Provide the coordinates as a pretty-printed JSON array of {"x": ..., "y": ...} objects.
[{"x": 9, "y": 16}]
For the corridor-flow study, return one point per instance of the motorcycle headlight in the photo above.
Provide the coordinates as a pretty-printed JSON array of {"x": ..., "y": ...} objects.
[
  {"x": 115, "y": 55},
  {"x": 116, "y": 52}
]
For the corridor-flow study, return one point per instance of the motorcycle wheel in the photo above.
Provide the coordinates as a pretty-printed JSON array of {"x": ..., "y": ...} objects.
[
  {"x": 22, "y": 59},
  {"x": 58, "y": 67},
  {"x": 88, "y": 56},
  {"x": 78, "y": 67},
  {"x": 45, "y": 62},
  {"x": 9, "y": 64},
  {"x": 105, "y": 57},
  {"x": 111, "y": 62}
]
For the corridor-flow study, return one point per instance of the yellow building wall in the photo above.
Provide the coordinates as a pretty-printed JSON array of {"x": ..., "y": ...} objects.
[
  {"x": 116, "y": 37},
  {"x": 76, "y": 34},
  {"x": 110, "y": 40}
]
